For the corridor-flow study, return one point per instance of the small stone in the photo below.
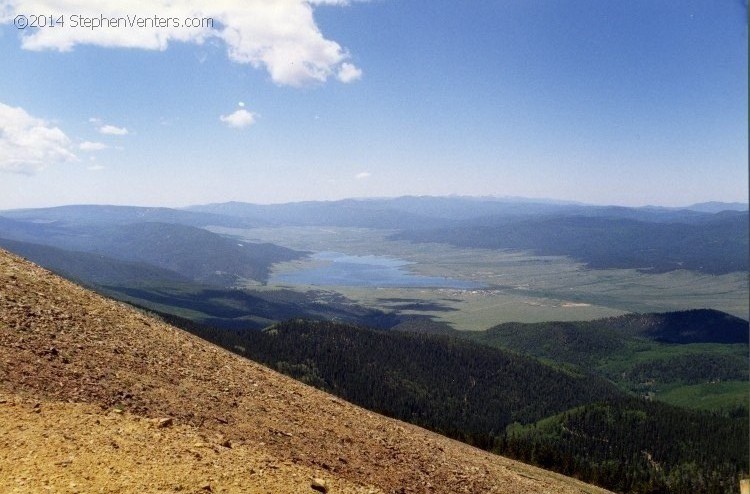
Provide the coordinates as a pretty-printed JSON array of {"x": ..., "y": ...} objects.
[
  {"x": 319, "y": 485},
  {"x": 206, "y": 487},
  {"x": 165, "y": 422},
  {"x": 226, "y": 443}
]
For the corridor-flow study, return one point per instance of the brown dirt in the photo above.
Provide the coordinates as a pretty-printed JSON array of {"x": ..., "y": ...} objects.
[{"x": 103, "y": 373}]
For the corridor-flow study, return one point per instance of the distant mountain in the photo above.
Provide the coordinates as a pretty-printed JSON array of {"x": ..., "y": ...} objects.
[
  {"x": 346, "y": 213},
  {"x": 80, "y": 215},
  {"x": 420, "y": 212},
  {"x": 716, "y": 207},
  {"x": 407, "y": 213}
]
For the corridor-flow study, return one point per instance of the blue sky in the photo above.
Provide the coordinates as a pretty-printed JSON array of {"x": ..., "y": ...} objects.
[{"x": 632, "y": 103}]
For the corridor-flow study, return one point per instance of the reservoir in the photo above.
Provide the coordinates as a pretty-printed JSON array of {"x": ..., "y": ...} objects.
[{"x": 338, "y": 269}]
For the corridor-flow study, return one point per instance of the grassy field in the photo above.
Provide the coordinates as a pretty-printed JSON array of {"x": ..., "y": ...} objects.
[
  {"x": 520, "y": 286},
  {"x": 709, "y": 396}
]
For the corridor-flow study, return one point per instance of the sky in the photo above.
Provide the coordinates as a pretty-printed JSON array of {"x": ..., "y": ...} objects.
[{"x": 634, "y": 103}]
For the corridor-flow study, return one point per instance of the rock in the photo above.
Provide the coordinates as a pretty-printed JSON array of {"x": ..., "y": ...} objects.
[
  {"x": 165, "y": 422},
  {"x": 226, "y": 443},
  {"x": 319, "y": 485},
  {"x": 206, "y": 487}
]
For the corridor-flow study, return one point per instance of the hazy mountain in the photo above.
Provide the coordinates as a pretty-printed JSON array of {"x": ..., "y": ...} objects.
[
  {"x": 345, "y": 213},
  {"x": 410, "y": 212},
  {"x": 91, "y": 269},
  {"x": 716, "y": 207},
  {"x": 191, "y": 252},
  {"x": 98, "y": 215}
]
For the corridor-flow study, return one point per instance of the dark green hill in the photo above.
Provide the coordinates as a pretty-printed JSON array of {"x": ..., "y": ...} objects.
[
  {"x": 652, "y": 354},
  {"x": 586, "y": 342},
  {"x": 450, "y": 385},
  {"x": 682, "y": 327},
  {"x": 580, "y": 343}
]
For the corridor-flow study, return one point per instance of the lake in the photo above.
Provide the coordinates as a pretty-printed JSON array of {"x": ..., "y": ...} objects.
[{"x": 340, "y": 269}]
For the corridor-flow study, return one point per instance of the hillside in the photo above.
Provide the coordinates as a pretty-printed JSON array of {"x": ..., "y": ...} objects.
[
  {"x": 89, "y": 268},
  {"x": 182, "y": 250},
  {"x": 82, "y": 379},
  {"x": 717, "y": 244},
  {"x": 468, "y": 391},
  {"x": 516, "y": 406},
  {"x": 673, "y": 356}
]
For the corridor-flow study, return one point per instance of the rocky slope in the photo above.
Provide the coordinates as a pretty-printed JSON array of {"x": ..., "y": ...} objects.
[{"x": 97, "y": 397}]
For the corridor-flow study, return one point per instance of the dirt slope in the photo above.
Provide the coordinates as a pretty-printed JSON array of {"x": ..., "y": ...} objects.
[{"x": 84, "y": 382}]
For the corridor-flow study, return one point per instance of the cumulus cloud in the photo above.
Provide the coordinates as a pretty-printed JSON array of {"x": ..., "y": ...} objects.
[
  {"x": 348, "y": 73},
  {"x": 239, "y": 119},
  {"x": 92, "y": 146},
  {"x": 363, "y": 175},
  {"x": 280, "y": 36},
  {"x": 112, "y": 130},
  {"x": 29, "y": 144}
]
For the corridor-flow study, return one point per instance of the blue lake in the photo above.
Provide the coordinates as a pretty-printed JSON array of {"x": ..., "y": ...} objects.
[{"x": 365, "y": 271}]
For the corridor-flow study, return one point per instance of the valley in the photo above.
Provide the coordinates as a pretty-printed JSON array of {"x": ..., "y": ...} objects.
[
  {"x": 517, "y": 286},
  {"x": 530, "y": 350}
]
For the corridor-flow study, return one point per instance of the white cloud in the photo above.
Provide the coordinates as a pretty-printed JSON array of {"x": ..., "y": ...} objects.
[
  {"x": 348, "y": 73},
  {"x": 95, "y": 168},
  {"x": 29, "y": 144},
  {"x": 329, "y": 2},
  {"x": 363, "y": 175},
  {"x": 239, "y": 119},
  {"x": 113, "y": 131},
  {"x": 92, "y": 146},
  {"x": 280, "y": 36}
]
